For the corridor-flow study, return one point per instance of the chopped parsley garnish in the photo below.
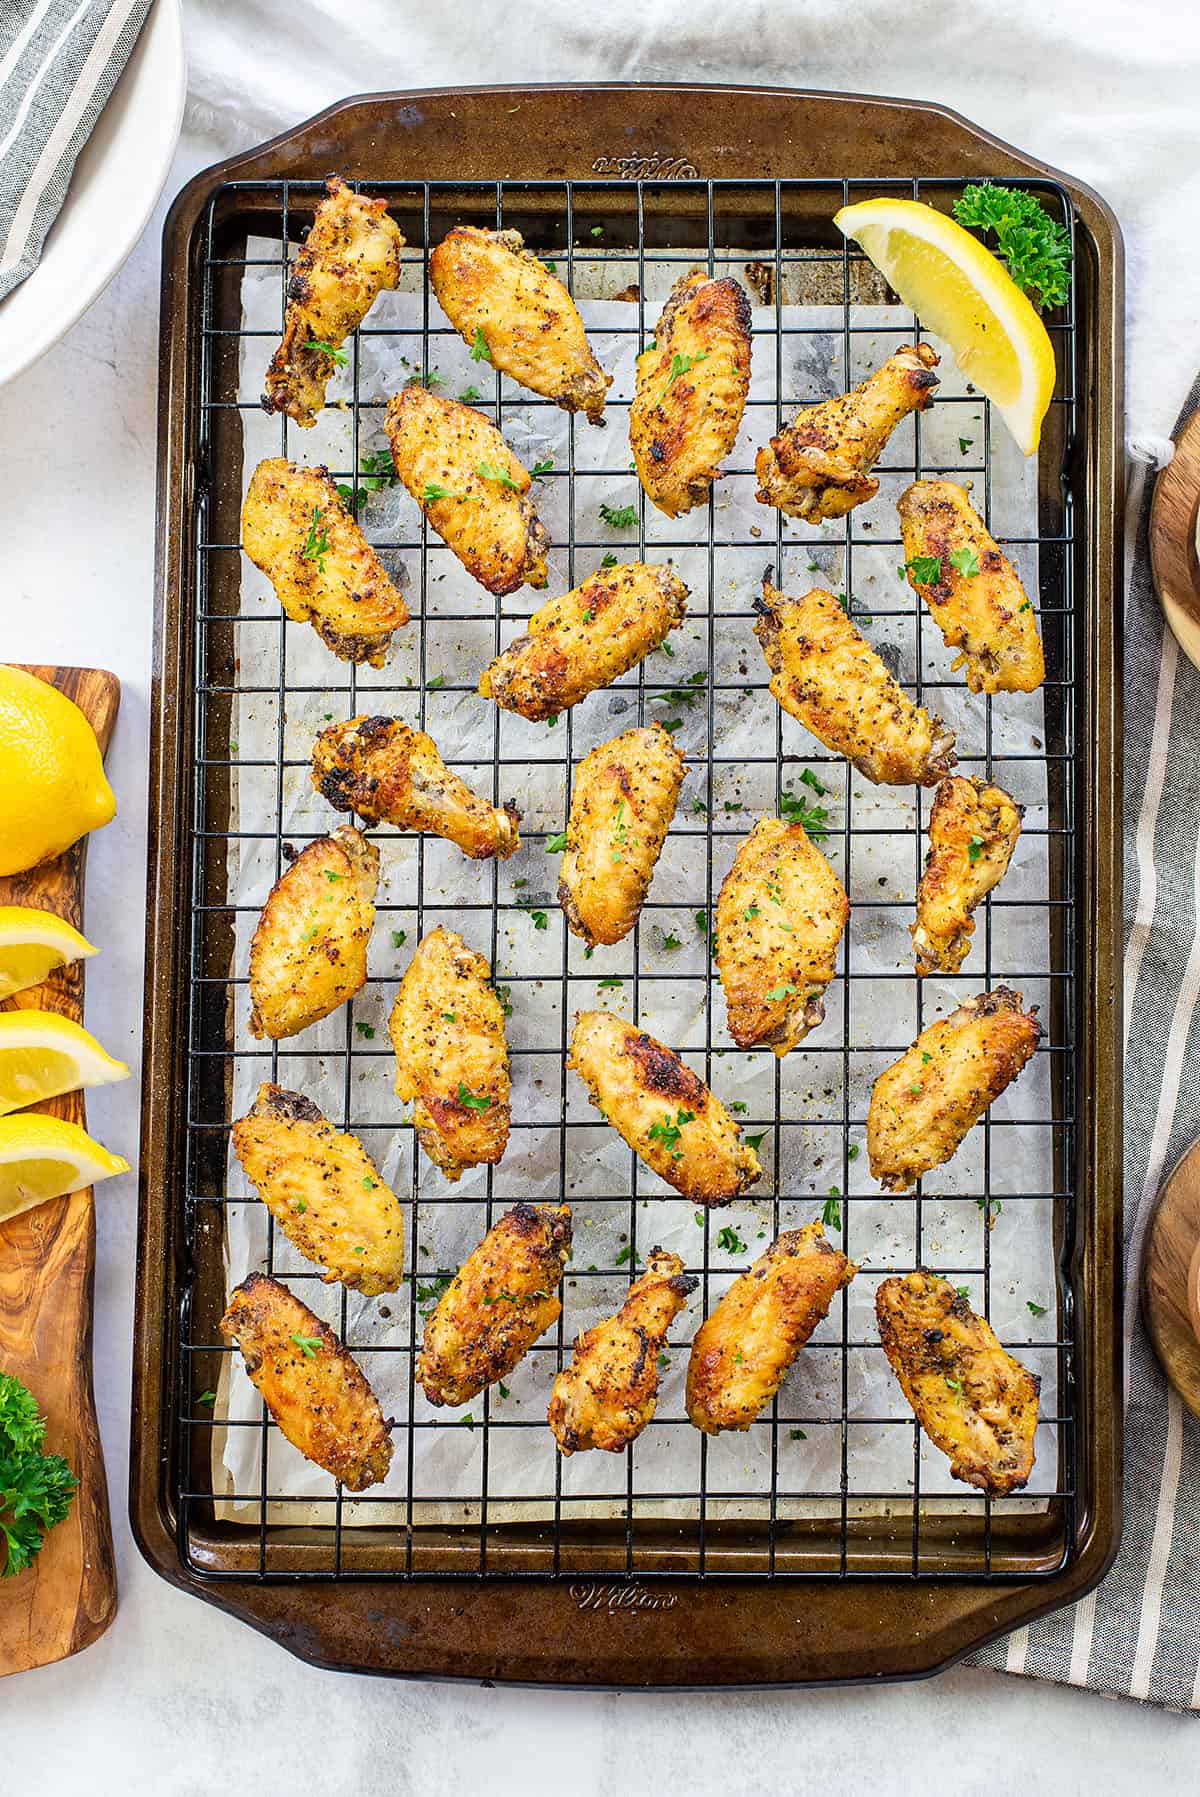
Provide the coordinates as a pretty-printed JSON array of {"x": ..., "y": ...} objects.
[
  {"x": 470, "y": 396},
  {"x": 207, "y": 1397},
  {"x": 966, "y": 561},
  {"x": 797, "y": 1435},
  {"x": 755, "y": 1141},
  {"x": 671, "y": 941},
  {"x": 975, "y": 848},
  {"x": 668, "y": 1133},
  {"x": 539, "y": 919},
  {"x": 778, "y": 992},
  {"x": 619, "y": 517},
  {"x": 610, "y": 982},
  {"x": 316, "y": 546},
  {"x": 502, "y": 1388},
  {"x": 337, "y": 356},
  {"x": 479, "y": 349},
  {"x": 473, "y": 1101},
  {"x": 954, "y": 1384},
  {"x": 436, "y": 681},
  {"x": 1036, "y": 1310},
  {"x": 433, "y": 490},
  {"x": 814, "y": 818},
  {"x": 965, "y": 443},
  {"x": 467, "y": 1421},
  {"x": 1035, "y": 248},
  {"x": 609, "y": 561},
  {"x": 309, "y": 1345},
  {"x": 683, "y": 365},
  {"x": 489, "y": 471},
  {"x": 556, "y": 844},
  {"x": 627, "y": 1253},
  {"x": 366, "y": 1031},
  {"x": 831, "y": 1215},
  {"x": 926, "y": 570},
  {"x": 543, "y": 467},
  {"x": 399, "y": 938},
  {"x": 430, "y": 1293},
  {"x": 808, "y": 778},
  {"x": 852, "y": 1152},
  {"x": 729, "y": 1239},
  {"x": 36, "y": 1488}
]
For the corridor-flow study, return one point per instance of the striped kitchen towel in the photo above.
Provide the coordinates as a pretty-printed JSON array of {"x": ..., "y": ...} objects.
[
  {"x": 59, "y": 62},
  {"x": 1138, "y": 1635}
]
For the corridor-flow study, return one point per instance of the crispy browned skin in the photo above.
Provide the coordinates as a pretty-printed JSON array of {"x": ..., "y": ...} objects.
[
  {"x": 313, "y": 1388},
  {"x": 663, "y": 1110},
  {"x": 742, "y": 1352},
  {"x": 585, "y": 639},
  {"x": 691, "y": 391},
  {"x": 488, "y": 282},
  {"x": 973, "y": 830},
  {"x": 488, "y": 519},
  {"x": 820, "y": 466},
  {"x": 973, "y": 1400},
  {"x": 988, "y": 615},
  {"x": 780, "y": 918},
  {"x": 325, "y": 573},
  {"x": 621, "y": 809},
  {"x": 324, "y": 1191},
  {"x": 309, "y": 950},
  {"x": 502, "y": 1298},
  {"x": 447, "y": 1028},
  {"x": 608, "y": 1394},
  {"x": 924, "y": 1104},
  {"x": 824, "y": 672},
  {"x": 351, "y": 254},
  {"x": 390, "y": 773}
]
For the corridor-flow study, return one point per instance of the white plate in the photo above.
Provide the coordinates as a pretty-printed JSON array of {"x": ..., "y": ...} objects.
[{"x": 118, "y": 177}]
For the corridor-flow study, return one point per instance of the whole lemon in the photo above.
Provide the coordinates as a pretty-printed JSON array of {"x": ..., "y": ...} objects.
[{"x": 52, "y": 785}]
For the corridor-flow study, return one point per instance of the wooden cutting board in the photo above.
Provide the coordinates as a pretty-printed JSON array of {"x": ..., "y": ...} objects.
[{"x": 68, "y": 1597}]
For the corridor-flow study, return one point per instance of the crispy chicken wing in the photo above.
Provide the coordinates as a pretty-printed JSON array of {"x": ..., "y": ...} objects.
[
  {"x": 313, "y": 1388},
  {"x": 780, "y": 918},
  {"x": 924, "y": 1104},
  {"x": 470, "y": 486},
  {"x": 389, "y": 773},
  {"x": 742, "y": 1352},
  {"x": 824, "y": 672},
  {"x": 324, "y": 1191},
  {"x": 585, "y": 639},
  {"x": 352, "y": 253},
  {"x": 973, "y": 830},
  {"x": 820, "y": 466},
  {"x": 691, "y": 391},
  {"x": 502, "y": 1298},
  {"x": 447, "y": 1028},
  {"x": 973, "y": 1400},
  {"x": 608, "y": 1394},
  {"x": 663, "y": 1110},
  {"x": 621, "y": 809},
  {"x": 501, "y": 297},
  {"x": 309, "y": 950},
  {"x": 974, "y": 595},
  {"x": 325, "y": 573}
]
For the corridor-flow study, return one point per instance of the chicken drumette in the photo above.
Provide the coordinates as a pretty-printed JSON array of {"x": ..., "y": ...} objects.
[
  {"x": 608, "y": 1394},
  {"x": 621, "y": 809},
  {"x": 820, "y": 465},
  {"x": 973, "y": 830},
  {"x": 308, "y": 954}
]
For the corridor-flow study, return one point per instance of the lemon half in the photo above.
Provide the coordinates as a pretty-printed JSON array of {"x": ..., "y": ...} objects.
[
  {"x": 52, "y": 785},
  {"x": 966, "y": 296},
  {"x": 42, "y": 1054},
  {"x": 45, "y": 1157},
  {"x": 32, "y": 944}
]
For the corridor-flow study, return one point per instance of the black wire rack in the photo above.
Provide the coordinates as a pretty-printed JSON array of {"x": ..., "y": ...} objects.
[{"x": 613, "y": 238}]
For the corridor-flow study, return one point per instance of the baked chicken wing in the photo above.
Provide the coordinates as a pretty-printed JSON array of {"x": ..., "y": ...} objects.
[
  {"x": 351, "y": 254},
  {"x": 973, "y": 1400},
  {"x": 508, "y": 305},
  {"x": 313, "y": 1388},
  {"x": 470, "y": 486},
  {"x": 585, "y": 639},
  {"x": 742, "y": 1352},
  {"x": 621, "y": 809},
  {"x": 392, "y": 774},
  {"x": 924, "y": 1104},
  {"x": 308, "y": 954},
  {"x": 608, "y": 1394},
  {"x": 324, "y": 1191},
  {"x": 325, "y": 573},
  {"x": 973, "y": 830},
  {"x": 780, "y": 918},
  {"x": 820, "y": 465},
  {"x": 826, "y": 674},
  {"x": 502, "y": 1298},
  {"x": 662, "y": 1109},
  {"x": 971, "y": 589},
  {"x": 447, "y": 1028},
  {"x": 691, "y": 391}
]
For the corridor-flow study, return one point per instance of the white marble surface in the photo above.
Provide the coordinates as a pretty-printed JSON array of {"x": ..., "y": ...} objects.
[{"x": 176, "y": 1699}]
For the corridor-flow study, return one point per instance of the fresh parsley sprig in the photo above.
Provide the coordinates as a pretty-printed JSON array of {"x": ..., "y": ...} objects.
[
  {"x": 1035, "y": 248},
  {"x": 316, "y": 546},
  {"x": 337, "y": 356},
  {"x": 36, "y": 1488}
]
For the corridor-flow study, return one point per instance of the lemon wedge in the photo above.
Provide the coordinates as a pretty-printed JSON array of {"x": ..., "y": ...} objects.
[
  {"x": 44, "y": 1157},
  {"x": 964, "y": 295},
  {"x": 32, "y": 944},
  {"x": 52, "y": 785},
  {"x": 42, "y": 1054}
]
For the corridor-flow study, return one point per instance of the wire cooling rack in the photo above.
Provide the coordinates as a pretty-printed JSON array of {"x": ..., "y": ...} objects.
[{"x": 610, "y": 239}]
